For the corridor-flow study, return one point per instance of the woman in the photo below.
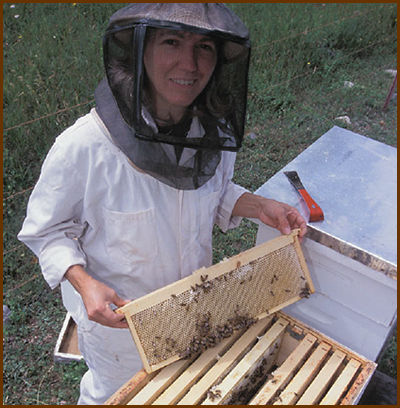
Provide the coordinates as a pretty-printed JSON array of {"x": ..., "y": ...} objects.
[{"x": 128, "y": 195}]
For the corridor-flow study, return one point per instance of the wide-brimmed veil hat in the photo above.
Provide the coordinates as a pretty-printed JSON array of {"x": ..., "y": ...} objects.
[{"x": 220, "y": 109}]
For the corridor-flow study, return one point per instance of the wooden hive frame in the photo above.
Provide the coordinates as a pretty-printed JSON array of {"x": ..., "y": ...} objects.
[
  {"x": 277, "y": 361},
  {"x": 197, "y": 312}
]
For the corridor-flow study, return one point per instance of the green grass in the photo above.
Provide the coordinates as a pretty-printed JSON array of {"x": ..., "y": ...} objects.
[{"x": 301, "y": 56}]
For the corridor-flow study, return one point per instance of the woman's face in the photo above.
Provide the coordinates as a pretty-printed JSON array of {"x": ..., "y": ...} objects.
[{"x": 179, "y": 65}]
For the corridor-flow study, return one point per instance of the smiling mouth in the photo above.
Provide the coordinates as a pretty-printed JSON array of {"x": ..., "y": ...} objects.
[{"x": 184, "y": 82}]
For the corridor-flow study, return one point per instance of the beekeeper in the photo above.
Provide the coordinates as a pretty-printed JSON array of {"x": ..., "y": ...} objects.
[{"x": 128, "y": 195}]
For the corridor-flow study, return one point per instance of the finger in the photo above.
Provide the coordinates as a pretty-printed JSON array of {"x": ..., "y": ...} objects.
[
  {"x": 297, "y": 221},
  {"x": 300, "y": 223},
  {"x": 122, "y": 324},
  {"x": 120, "y": 321},
  {"x": 113, "y": 319},
  {"x": 294, "y": 219},
  {"x": 283, "y": 225},
  {"x": 120, "y": 302},
  {"x": 303, "y": 229}
]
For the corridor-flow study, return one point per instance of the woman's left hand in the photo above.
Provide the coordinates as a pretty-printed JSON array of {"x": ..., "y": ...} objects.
[
  {"x": 282, "y": 216},
  {"x": 278, "y": 215}
]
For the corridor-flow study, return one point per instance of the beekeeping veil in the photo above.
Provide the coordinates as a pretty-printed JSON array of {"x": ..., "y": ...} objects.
[{"x": 217, "y": 115}]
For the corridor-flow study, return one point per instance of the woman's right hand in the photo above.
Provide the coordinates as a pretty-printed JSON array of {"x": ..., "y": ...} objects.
[{"x": 97, "y": 298}]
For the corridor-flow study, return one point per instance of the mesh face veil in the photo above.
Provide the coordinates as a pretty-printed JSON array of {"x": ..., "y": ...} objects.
[{"x": 145, "y": 87}]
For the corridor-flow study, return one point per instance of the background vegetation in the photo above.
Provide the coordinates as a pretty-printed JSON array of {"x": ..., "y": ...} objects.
[{"x": 302, "y": 55}]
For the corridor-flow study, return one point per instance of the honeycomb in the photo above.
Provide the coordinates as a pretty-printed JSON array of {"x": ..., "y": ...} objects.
[{"x": 214, "y": 307}]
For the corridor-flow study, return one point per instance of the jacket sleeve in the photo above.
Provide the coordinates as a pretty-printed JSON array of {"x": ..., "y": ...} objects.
[
  {"x": 230, "y": 194},
  {"x": 53, "y": 223}
]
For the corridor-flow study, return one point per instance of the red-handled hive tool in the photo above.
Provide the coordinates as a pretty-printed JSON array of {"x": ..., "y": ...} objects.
[{"x": 316, "y": 213}]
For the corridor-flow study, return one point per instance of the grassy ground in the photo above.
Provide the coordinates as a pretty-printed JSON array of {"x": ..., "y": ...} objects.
[{"x": 302, "y": 55}]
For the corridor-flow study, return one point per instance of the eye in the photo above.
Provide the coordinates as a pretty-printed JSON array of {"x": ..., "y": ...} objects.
[
  {"x": 170, "y": 41},
  {"x": 209, "y": 47}
]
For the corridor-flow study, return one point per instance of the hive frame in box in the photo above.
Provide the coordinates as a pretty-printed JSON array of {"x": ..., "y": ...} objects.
[
  {"x": 213, "y": 302},
  {"x": 277, "y": 361}
]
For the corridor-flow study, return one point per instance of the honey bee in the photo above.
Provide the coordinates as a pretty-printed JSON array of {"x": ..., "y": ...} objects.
[
  {"x": 170, "y": 342},
  {"x": 305, "y": 292},
  {"x": 214, "y": 394}
]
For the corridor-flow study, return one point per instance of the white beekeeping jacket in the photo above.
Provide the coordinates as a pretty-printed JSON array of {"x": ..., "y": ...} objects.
[{"x": 92, "y": 207}]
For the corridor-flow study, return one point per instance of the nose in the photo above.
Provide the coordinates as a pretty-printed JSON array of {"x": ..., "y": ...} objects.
[{"x": 188, "y": 59}]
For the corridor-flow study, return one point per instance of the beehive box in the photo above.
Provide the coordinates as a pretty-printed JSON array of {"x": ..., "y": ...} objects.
[
  {"x": 66, "y": 349},
  {"x": 351, "y": 256},
  {"x": 277, "y": 361},
  {"x": 268, "y": 358}
]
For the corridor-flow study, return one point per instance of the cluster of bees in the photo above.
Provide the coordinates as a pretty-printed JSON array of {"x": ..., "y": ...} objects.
[
  {"x": 244, "y": 394},
  {"x": 204, "y": 287},
  {"x": 196, "y": 290},
  {"x": 305, "y": 291},
  {"x": 207, "y": 336},
  {"x": 212, "y": 395},
  {"x": 259, "y": 372}
]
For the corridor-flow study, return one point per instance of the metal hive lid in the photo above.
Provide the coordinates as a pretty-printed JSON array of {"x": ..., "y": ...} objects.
[{"x": 354, "y": 180}]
